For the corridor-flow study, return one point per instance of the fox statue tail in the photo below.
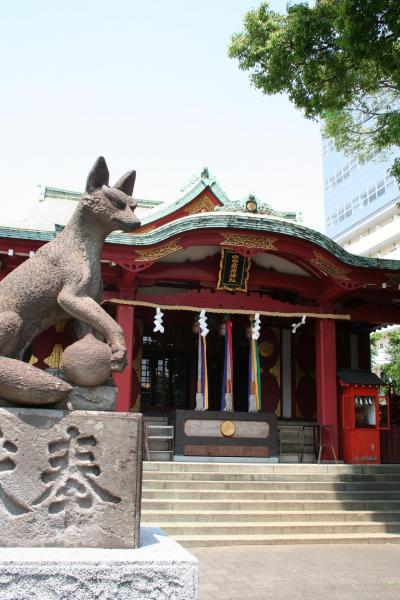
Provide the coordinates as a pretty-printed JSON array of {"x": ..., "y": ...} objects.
[{"x": 24, "y": 384}]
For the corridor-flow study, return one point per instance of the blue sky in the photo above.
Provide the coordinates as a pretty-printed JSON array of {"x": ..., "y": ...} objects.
[{"x": 148, "y": 84}]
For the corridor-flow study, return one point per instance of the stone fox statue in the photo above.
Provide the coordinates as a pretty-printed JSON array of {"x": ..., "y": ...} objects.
[{"x": 63, "y": 280}]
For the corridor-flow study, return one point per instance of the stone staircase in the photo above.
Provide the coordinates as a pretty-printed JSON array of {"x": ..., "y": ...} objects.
[
  {"x": 296, "y": 442},
  {"x": 157, "y": 438},
  {"x": 221, "y": 504}
]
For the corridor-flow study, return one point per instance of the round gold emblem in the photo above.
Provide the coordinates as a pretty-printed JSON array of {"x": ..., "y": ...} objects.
[
  {"x": 266, "y": 348},
  {"x": 227, "y": 428}
]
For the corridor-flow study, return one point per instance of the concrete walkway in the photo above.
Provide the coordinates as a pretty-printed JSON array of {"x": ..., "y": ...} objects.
[{"x": 343, "y": 572}]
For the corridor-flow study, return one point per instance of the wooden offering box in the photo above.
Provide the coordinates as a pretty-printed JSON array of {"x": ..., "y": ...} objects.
[{"x": 216, "y": 433}]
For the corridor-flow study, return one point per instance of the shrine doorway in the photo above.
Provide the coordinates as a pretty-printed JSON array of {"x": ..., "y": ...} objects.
[{"x": 169, "y": 364}]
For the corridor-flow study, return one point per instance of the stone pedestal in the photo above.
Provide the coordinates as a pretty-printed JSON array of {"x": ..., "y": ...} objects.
[
  {"x": 159, "y": 570},
  {"x": 100, "y": 397},
  {"x": 70, "y": 479}
]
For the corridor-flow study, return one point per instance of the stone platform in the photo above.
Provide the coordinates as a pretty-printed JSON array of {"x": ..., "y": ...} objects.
[{"x": 159, "y": 570}]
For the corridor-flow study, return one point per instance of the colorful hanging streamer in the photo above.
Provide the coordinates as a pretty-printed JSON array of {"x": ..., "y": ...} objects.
[
  {"x": 227, "y": 383},
  {"x": 254, "y": 377},
  {"x": 202, "y": 377}
]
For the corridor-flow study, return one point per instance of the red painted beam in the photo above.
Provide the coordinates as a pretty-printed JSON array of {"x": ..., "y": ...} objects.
[
  {"x": 227, "y": 300},
  {"x": 207, "y": 273},
  {"x": 378, "y": 315}
]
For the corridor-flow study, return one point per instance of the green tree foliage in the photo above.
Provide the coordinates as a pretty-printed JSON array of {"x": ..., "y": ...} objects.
[
  {"x": 391, "y": 369},
  {"x": 338, "y": 60},
  {"x": 374, "y": 341}
]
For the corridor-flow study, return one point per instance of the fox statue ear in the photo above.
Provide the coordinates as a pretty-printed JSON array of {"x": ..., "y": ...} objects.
[
  {"x": 98, "y": 175},
  {"x": 126, "y": 183}
]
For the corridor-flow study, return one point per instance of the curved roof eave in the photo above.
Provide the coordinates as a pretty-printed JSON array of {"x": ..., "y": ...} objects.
[
  {"x": 221, "y": 220},
  {"x": 256, "y": 223}
]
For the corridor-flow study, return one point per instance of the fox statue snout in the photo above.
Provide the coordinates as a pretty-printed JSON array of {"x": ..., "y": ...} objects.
[{"x": 61, "y": 281}]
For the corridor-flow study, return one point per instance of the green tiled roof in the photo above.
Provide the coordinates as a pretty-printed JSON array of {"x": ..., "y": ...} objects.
[
  {"x": 26, "y": 234},
  {"x": 256, "y": 223},
  {"x": 221, "y": 220}
]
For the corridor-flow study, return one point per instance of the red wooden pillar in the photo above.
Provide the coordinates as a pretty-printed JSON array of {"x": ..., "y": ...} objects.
[
  {"x": 137, "y": 366},
  {"x": 326, "y": 375},
  {"x": 126, "y": 319},
  {"x": 364, "y": 350}
]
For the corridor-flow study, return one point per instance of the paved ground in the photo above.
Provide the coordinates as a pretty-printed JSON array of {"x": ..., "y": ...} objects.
[{"x": 322, "y": 572}]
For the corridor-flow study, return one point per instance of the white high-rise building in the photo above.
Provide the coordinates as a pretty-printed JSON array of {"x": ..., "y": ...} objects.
[{"x": 361, "y": 197}]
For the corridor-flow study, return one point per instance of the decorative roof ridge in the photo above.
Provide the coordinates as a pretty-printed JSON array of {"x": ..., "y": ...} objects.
[
  {"x": 253, "y": 205},
  {"x": 224, "y": 210},
  {"x": 55, "y": 193},
  {"x": 49, "y": 191},
  {"x": 29, "y": 234},
  {"x": 219, "y": 192}
]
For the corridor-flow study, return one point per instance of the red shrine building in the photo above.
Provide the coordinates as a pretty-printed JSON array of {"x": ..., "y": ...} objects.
[{"x": 317, "y": 305}]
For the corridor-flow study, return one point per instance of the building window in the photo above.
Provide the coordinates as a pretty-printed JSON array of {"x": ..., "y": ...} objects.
[
  {"x": 328, "y": 145},
  {"x": 365, "y": 198},
  {"x": 347, "y": 169}
]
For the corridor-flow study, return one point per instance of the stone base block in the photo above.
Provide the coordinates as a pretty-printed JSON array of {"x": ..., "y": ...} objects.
[
  {"x": 100, "y": 397},
  {"x": 159, "y": 570},
  {"x": 70, "y": 479}
]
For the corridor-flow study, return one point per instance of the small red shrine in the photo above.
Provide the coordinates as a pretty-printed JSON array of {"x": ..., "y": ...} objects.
[
  {"x": 317, "y": 306},
  {"x": 364, "y": 414}
]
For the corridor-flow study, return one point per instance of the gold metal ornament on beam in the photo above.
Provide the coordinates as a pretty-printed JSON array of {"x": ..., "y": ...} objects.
[
  {"x": 159, "y": 251},
  {"x": 329, "y": 268},
  {"x": 204, "y": 204},
  {"x": 228, "y": 428},
  {"x": 244, "y": 240}
]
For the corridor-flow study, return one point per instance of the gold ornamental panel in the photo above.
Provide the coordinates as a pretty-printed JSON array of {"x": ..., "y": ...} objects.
[
  {"x": 55, "y": 360},
  {"x": 145, "y": 229},
  {"x": 249, "y": 241},
  {"x": 329, "y": 268},
  {"x": 149, "y": 254},
  {"x": 204, "y": 204}
]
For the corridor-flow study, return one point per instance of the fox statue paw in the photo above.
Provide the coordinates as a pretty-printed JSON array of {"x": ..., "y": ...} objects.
[{"x": 118, "y": 359}]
